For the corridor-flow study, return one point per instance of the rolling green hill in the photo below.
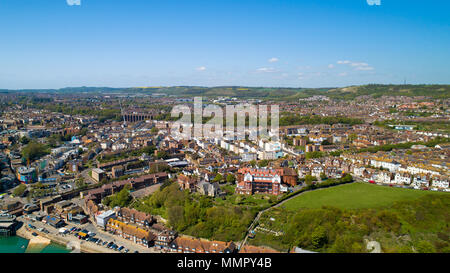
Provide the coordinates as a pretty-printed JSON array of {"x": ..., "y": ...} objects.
[
  {"x": 355, "y": 196},
  {"x": 265, "y": 93}
]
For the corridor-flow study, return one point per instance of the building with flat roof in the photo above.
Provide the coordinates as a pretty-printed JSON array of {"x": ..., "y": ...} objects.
[
  {"x": 26, "y": 175},
  {"x": 7, "y": 224},
  {"x": 98, "y": 174},
  {"x": 103, "y": 218}
]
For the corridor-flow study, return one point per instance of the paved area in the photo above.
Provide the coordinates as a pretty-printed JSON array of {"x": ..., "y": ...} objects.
[
  {"x": 145, "y": 191},
  {"x": 99, "y": 234}
]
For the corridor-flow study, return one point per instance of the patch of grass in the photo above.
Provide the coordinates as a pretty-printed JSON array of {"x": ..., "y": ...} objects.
[{"x": 354, "y": 196}]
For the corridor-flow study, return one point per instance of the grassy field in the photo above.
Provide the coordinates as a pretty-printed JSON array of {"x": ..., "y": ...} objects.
[{"x": 355, "y": 196}]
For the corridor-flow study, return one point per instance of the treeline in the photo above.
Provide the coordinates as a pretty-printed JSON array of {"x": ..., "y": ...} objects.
[
  {"x": 105, "y": 158},
  {"x": 101, "y": 113},
  {"x": 287, "y": 119},
  {"x": 407, "y": 145}
]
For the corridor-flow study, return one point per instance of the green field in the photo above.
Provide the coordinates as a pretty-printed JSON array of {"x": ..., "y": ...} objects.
[{"x": 354, "y": 196}]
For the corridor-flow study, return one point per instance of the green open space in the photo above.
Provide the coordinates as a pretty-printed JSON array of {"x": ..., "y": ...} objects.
[{"x": 355, "y": 196}]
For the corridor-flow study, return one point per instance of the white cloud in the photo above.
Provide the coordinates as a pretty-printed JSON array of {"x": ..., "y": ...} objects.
[
  {"x": 266, "y": 69},
  {"x": 330, "y": 66},
  {"x": 360, "y": 66},
  {"x": 273, "y": 60},
  {"x": 343, "y": 62},
  {"x": 343, "y": 74},
  {"x": 201, "y": 68},
  {"x": 364, "y": 68}
]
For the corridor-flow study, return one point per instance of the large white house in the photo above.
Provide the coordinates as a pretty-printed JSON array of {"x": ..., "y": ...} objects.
[{"x": 402, "y": 178}]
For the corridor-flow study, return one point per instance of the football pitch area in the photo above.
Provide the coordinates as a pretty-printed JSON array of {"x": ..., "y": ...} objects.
[{"x": 355, "y": 196}]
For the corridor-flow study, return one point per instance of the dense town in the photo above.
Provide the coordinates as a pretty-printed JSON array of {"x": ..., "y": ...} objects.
[{"x": 98, "y": 168}]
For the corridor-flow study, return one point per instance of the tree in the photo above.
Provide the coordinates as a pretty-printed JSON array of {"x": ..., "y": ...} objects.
[
  {"x": 24, "y": 140},
  {"x": 154, "y": 130},
  {"x": 231, "y": 178},
  {"x": 121, "y": 199},
  {"x": 80, "y": 183},
  {"x": 326, "y": 142},
  {"x": 34, "y": 150},
  {"x": 159, "y": 167},
  {"x": 20, "y": 190},
  {"x": 347, "y": 178},
  {"x": 319, "y": 237},
  {"x": 316, "y": 154},
  {"x": 176, "y": 216},
  {"x": 162, "y": 155},
  {"x": 425, "y": 247},
  {"x": 263, "y": 163},
  {"x": 323, "y": 176},
  {"x": 309, "y": 179},
  {"x": 352, "y": 137},
  {"x": 218, "y": 178}
]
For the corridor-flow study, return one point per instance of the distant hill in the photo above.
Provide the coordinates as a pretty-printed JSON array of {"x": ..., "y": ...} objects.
[
  {"x": 376, "y": 90},
  {"x": 264, "y": 93}
]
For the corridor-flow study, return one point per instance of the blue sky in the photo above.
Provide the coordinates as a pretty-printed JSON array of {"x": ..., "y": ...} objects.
[{"x": 302, "y": 43}]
